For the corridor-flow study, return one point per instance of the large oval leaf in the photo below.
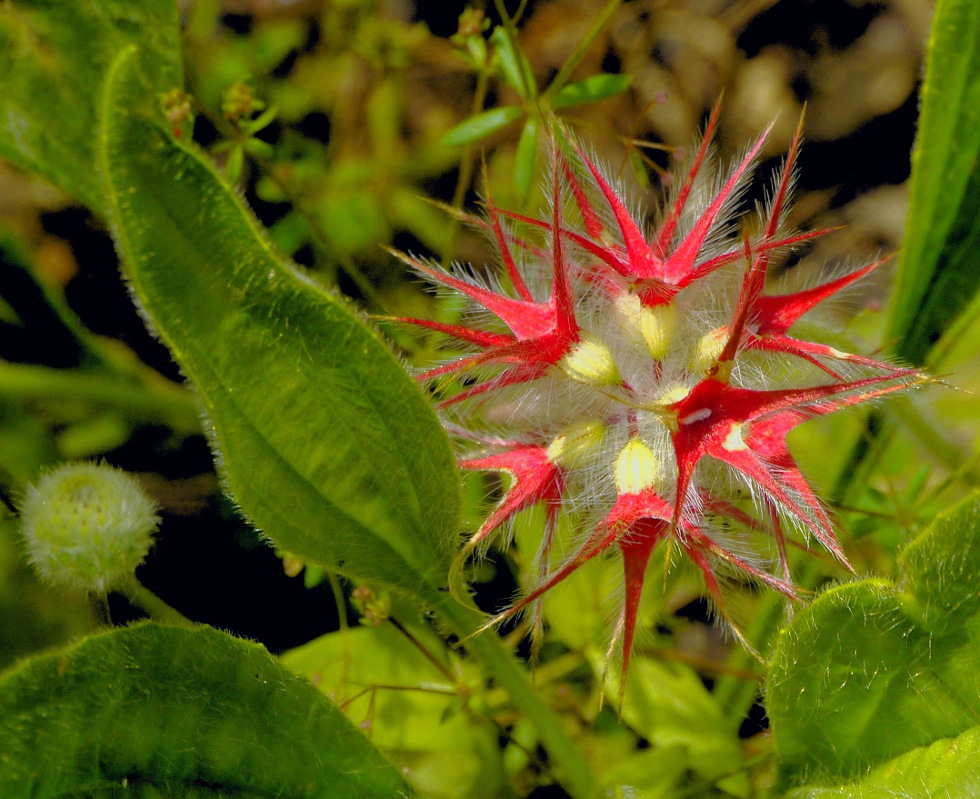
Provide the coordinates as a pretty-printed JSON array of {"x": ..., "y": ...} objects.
[
  {"x": 53, "y": 59},
  {"x": 325, "y": 442},
  {"x": 875, "y": 669},
  {"x": 188, "y": 712}
]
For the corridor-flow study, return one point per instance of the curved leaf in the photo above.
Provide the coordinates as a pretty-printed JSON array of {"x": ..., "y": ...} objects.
[
  {"x": 947, "y": 769},
  {"x": 482, "y": 125},
  {"x": 525, "y": 159},
  {"x": 874, "y": 669},
  {"x": 590, "y": 90},
  {"x": 937, "y": 274},
  {"x": 53, "y": 60},
  {"x": 325, "y": 442},
  {"x": 186, "y": 712}
]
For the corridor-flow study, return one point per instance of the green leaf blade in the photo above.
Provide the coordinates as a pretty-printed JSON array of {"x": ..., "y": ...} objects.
[
  {"x": 936, "y": 275},
  {"x": 947, "y": 769},
  {"x": 325, "y": 442},
  {"x": 482, "y": 125},
  {"x": 590, "y": 90},
  {"x": 525, "y": 160},
  {"x": 177, "y": 709}
]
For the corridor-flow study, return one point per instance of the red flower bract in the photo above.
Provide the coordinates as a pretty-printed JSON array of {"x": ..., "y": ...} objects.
[{"x": 641, "y": 390}]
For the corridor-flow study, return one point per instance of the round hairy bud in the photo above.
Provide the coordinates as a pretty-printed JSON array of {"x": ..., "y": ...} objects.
[{"x": 87, "y": 526}]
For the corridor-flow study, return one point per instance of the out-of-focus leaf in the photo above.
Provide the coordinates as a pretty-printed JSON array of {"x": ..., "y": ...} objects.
[
  {"x": 422, "y": 219},
  {"x": 514, "y": 64},
  {"x": 324, "y": 441},
  {"x": 186, "y": 712},
  {"x": 53, "y": 60},
  {"x": 651, "y": 774},
  {"x": 937, "y": 274},
  {"x": 874, "y": 669},
  {"x": 668, "y": 705},
  {"x": 525, "y": 159},
  {"x": 389, "y": 688},
  {"x": 30, "y": 618},
  {"x": 596, "y": 87},
  {"x": 482, "y": 125}
]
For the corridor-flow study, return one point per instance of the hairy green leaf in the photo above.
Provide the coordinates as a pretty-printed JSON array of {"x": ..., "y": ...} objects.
[
  {"x": 947, "y": 769},
  {"x": 874, "y": 669},
  {"x": 324, "y": 441},
  {"x": 590, "y": 90},
  {"x": 53, "y": 60},
  {"x": 180, "y": 711},
  {"x": 937, "y": 274},
  {"x": 482, "y": 125}
]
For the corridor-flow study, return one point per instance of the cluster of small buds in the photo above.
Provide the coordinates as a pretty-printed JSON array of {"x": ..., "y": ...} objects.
[
  {"x": 375, "y": 609},
  {"x": 645, "y": 382}
]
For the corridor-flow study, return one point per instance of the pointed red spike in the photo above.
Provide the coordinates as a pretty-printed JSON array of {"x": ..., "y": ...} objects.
[
  {"x": 697, "y": 540},
  {"x": 665, "y": 235},
  {"x": 712, "y": 264},
  {"x": 807, "y": 510},
  {"x": 593, "y": 223},
  {"x": 562, "y": 300},
  {"x": 778, "y": 313},
  {"x": 525, "y": 318},
  {"x": 785, "y": 178},
  {"x": 809, "y": 351},
  {"x": 636, "y": 545},
  {"x": 536, "y": 479},
  {"x": 482, "y": 338},
  {"x": 523, "y": 373},
  {"x": 640, "y": 259},
  {"x": 459, "y": 365},
  {"x": 596, "y": 544},
  {"x": 516, "y": 279},
  {"x": 682, "y": 260},
  {"x": 752, "y": 286},
  {"x": 509, "y": 263}
]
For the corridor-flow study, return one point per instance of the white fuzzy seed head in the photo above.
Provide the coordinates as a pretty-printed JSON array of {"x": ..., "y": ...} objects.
[{"x": 87, "y": 526}]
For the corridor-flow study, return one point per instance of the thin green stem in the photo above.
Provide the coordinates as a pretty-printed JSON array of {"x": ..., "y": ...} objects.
[
  {"x": 157, "y": 400},
  {"x": 338, "y": 598},
  {"x": 141, "y": 597},
  {"x": 734, "y": 694},
  {"x": 466, "y": 162},
  {"x": 559, "y": 81},
  {"x": 567, "y": 759},
  {"x": 441, "y": 667},
  {"x": 321, "y": 236},
  {"x": 529, "y": 90}
]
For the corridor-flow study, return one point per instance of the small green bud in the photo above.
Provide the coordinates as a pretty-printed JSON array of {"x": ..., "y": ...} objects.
[{"x": 87, "y": 525}]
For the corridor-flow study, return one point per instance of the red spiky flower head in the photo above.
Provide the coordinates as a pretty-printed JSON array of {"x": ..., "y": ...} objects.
[{"x": 630, "y": 374}]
